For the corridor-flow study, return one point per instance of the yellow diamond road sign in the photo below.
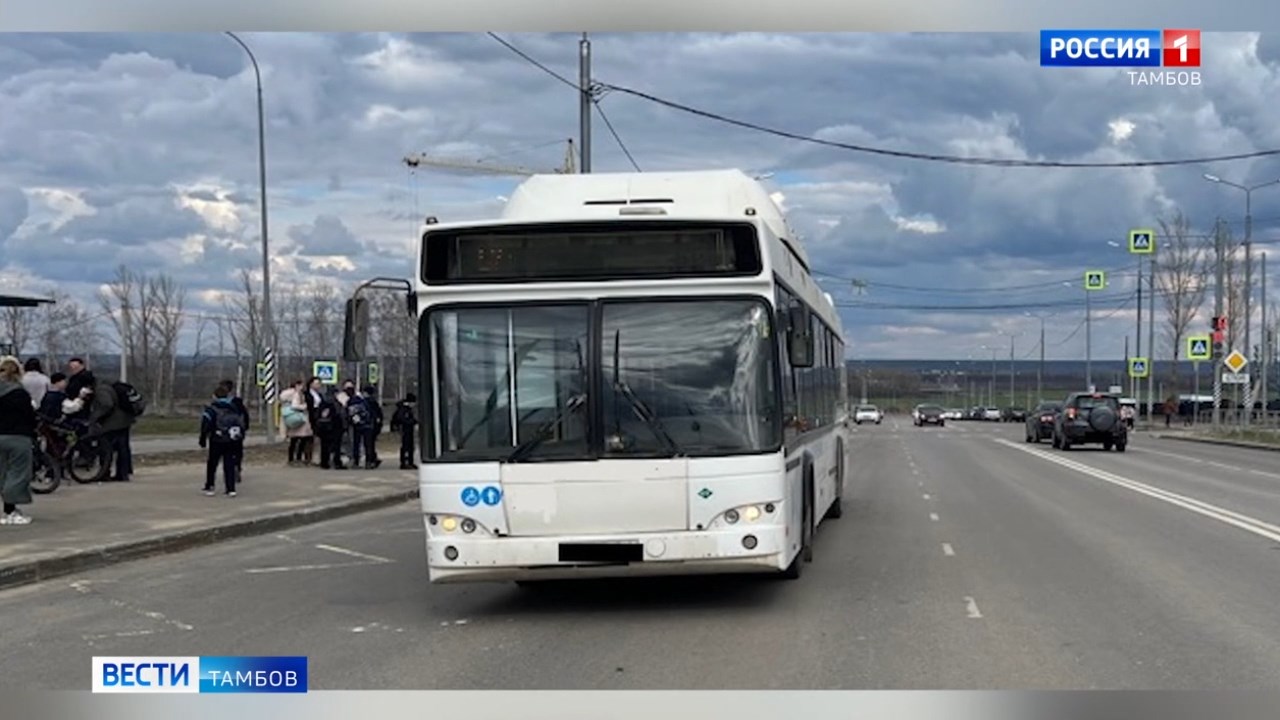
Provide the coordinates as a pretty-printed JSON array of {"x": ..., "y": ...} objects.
[{"x": 1235, "y": 362}]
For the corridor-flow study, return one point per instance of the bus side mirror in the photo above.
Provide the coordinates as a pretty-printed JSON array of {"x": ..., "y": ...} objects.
[
  {"x": 799, "y": 338},
  {"x": 355, "y": 336}
]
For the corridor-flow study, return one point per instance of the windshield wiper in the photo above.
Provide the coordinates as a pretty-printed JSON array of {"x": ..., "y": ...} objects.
[
  {"x": 543, "y": 432},
  {"x": 642, "y": 410}
]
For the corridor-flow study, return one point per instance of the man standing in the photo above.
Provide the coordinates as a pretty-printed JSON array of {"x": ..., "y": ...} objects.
[
  {"x": 116, "y": 419},
  {"x": 222, "y": 430},
  {"x": 238, "y": 403}
]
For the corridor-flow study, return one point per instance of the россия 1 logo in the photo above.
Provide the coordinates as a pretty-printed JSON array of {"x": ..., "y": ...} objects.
[{"x": 1127, "y": 49}]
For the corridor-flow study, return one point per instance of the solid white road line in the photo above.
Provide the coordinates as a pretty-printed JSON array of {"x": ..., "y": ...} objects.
[
  {"x": 1223, "y": 515},
  {"x": 948, "y": 550},
  {"x": 353, "y": 553},
  {"x": 933, "y": 517}
]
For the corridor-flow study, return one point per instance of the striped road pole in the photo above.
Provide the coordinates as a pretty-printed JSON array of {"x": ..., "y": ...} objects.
[{"x": 269, "y": 391}]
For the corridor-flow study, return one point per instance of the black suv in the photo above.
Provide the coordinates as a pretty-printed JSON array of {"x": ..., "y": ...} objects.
[
  {"x": 1087, "y": 418},
  {"x": 930, "y": 415}
]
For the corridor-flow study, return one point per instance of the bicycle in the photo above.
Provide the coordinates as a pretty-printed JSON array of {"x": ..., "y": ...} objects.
[{"x": 68, "y": 451}]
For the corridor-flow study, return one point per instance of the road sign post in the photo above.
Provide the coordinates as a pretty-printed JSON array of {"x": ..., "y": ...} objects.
[
  {"x": 1139, "y": 368},
  {"x": 1093, "y": 280},
  {"x": 326, "y": 371}
]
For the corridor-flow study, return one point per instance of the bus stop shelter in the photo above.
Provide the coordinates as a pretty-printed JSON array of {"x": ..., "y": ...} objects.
[{"x": 8, "y": 300}]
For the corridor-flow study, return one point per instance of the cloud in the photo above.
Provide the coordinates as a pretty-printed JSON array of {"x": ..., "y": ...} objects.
[{"x": 143, "y": 149}]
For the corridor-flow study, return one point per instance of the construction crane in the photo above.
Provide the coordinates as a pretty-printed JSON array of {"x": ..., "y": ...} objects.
[{"x": 419, "y": 160}]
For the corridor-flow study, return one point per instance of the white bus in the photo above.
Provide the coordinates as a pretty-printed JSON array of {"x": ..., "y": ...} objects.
[{"x": 626, "y": 374}]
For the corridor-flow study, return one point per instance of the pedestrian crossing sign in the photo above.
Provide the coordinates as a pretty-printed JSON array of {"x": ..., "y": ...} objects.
[
  {"x": 1095, "y": 280},
  {"x": 326, "y": 370},
  {"x": 1139, "y": 367},
  {"x": 1198, "y": 347},
  {"x": 1142, "y": 241},
  {"x": 262, "y": 374},
  {"x": 374, "y": 374}
]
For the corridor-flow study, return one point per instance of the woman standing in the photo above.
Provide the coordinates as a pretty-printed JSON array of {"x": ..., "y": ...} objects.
[
  {"x": 17, "y": 439},
  {"x": 296, "y": 422},
  {"x": 312, "y": 398}
]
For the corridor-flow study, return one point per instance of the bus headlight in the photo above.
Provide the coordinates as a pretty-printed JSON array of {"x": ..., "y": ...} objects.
[
  {"x": 449, "y": 524},
  {"x": 747, "y": 513}
]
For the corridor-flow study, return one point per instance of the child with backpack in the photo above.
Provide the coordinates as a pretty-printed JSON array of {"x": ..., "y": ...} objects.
[
  {"x": 222, "y": 430},
  {"x": 331, "y": 426},
  {"x": 366, "y": 423},
  {"x": 405, "y": 421}
]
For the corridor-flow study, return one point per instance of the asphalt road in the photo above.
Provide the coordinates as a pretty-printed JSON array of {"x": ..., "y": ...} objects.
[{"x": 965, "y": 559}]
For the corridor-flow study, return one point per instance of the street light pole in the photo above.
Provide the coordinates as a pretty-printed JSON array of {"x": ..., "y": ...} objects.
[
  {"x": 269, "y": 333},
  {"x": 1248, "y": 270}
]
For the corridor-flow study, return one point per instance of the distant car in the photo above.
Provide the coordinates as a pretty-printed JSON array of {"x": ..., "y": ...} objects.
[
  {"x": 1091, "y": 418},
  {"x": 929, "y": 415},
  {"x": 992, "y": 414},
  {"x": 867, "y": 413},
  {"x": 953, "y": 414},
  {"x": 1015, "y": 415},
  {"x": 1040, "y": 422}
]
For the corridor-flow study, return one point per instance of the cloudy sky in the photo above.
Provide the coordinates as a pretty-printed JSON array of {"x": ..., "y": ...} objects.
[{"x": 142, "y": 150}]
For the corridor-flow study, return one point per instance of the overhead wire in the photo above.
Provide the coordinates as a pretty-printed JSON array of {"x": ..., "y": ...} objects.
[
  {"x": 931, "y": 157},
  {"x": 595, "y": 101}
]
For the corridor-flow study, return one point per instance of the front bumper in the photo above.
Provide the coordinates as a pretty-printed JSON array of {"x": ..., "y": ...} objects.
[{"x": 484, "y": 559}]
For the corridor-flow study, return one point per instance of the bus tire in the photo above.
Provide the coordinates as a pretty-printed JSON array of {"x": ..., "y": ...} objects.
[{"x": 836, "y": 511}]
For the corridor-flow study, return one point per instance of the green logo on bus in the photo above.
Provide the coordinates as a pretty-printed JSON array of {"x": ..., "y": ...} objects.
[{"x": 704, "y": 493}]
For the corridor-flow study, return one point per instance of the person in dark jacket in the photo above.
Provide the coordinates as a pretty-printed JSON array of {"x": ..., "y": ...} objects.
[
  {"x": 238, "y": 403},
  {"x": 405, "y": 421},
  {"x": 51, "y": 406},
  {"x": 17, "y": 442},
  {"x": 115, "y": 423},
  {"x": 366, "y": 424},
  {"x": 331, "y": 426},
  {"x": 79, "y": 377},
  {"x": 222, "y": 429}
]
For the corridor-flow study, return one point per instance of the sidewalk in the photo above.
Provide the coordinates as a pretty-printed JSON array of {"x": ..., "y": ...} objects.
[
  {"x": 79, "y": 527},
  {"x": 150, "y": 444}
]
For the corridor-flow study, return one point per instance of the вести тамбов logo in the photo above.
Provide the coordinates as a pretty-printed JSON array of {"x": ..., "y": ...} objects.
[{"x": 1153, "y": 57}]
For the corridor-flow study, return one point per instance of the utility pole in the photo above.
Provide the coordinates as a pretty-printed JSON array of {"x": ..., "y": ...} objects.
[
  {"x": 1137, "y": 351},
  {"x": 584, "y": 101},
  {"x": 1012, "y": 400},
  {"x": 268, "y": 323},
  {"x": 1088, "y": 340},
  {"x": 126, "y": 336},
  {"x": 1151, "y": 342},
  {"x": 1217, "y": 312},
  {"x": 1040, "y": 370},
  {"x": 1266, "y": 338},
  {"x": 1248, "y": 293}
]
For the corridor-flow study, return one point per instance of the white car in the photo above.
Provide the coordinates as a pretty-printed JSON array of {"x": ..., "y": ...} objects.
[{"x": 867, "y": 413}]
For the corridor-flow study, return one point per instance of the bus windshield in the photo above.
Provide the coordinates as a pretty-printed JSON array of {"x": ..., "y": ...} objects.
[{"x": 672, "y": 378}]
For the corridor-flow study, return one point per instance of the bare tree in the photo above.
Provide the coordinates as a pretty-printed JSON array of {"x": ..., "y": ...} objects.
[
  {"x": 245, "y": 313},
  {"x": 324, "y": 326},
  {"x": 118, "y": 304},
  {"x": 292, "y": 326},
  {"x": 1182, "y": 277},
  {"x": 65, "y": 327},
  {"x": 168, "y": 300},
  {"x": 395, "y": 339},
  {"x": 19, "y": 323}
]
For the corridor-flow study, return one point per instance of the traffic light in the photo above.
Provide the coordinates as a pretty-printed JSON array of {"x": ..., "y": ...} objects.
[{"x": 1219, "y": 323}]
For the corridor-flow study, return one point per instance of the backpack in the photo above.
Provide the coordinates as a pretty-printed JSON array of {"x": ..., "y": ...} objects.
[
  {"x": 357, "y": 411},
  {"x": 326, "y": 416},
  {"x": 228, "y": 424},
  {"x": 129, "y": 399}
]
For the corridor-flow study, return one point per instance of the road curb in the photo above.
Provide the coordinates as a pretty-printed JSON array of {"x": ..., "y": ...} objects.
[
  {"x": 1223, "y": 442},
  {"x": 40, "y": 570}
]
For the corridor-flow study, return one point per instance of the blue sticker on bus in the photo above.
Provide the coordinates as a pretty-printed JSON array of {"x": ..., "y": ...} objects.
[
  {"x": 470, "y": 497},
  {"x": 492, "y": 496}
]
